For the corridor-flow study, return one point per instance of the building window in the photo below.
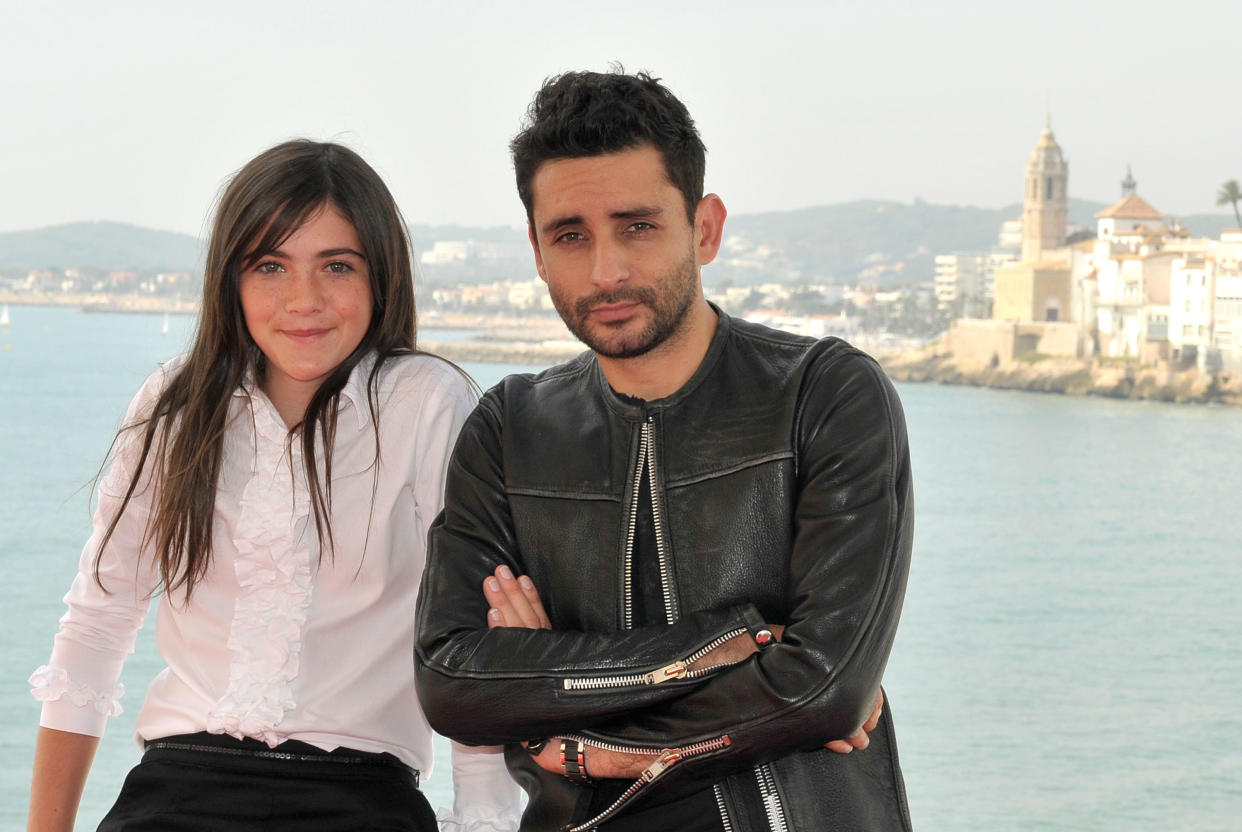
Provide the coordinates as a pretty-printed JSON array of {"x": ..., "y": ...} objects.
[
  {"x": 1048, "y": 187},
  {"x": 1187, "y": 330},
  {"x": 1202, "y": 331}
]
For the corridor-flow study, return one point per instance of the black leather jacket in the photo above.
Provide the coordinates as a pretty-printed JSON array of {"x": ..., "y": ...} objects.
[{"x": 782, "y": 485}]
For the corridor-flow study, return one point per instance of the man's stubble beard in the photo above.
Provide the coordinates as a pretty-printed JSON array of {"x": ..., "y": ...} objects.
[{"x": 669, "y": 302}]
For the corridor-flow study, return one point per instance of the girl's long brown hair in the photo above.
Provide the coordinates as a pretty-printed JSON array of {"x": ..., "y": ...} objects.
[{"x": 182, "y": 436}]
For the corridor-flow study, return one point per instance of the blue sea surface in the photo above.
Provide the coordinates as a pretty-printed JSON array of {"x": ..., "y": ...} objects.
[{"x": 1069, "y": 654}]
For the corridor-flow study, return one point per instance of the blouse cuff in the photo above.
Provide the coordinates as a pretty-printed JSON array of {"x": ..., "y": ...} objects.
[
  {"x": 70, "y": 706},
  {"x": 471, "y": 821}
]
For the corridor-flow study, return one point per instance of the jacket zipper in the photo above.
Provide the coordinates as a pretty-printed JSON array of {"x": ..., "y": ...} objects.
[
  {"x": 627, "y": 555},
  {"x": 767, "y": 783},
  {"x": 771, "y": 798},
  {"x": 725, "y": 822},
  {"x": 667, "y": 759},
  {"x": 647, "y": 459},
  {"x": 671, "y": 611},
  {"x": 677, "y": 670}
]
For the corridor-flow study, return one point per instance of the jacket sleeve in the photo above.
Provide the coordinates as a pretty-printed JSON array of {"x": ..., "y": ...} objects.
[
  {"x": 848, "y": 569},
  {"x": 486, "y": 687}
]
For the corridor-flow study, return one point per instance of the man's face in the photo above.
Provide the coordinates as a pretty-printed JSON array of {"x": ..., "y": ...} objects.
[{"x": 616, "y": 249}]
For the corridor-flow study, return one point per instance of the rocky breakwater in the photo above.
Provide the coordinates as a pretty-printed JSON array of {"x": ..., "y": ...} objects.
[
  {"x": 522, "y": 353},
  {"x": 1111, "y": 378}
]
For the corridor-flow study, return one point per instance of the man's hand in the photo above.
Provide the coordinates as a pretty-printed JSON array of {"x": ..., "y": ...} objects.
[
  {"x": 513, "y": 602},
  {"x": 860, "y": 739}
]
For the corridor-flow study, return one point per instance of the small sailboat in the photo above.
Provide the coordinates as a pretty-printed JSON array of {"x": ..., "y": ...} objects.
[
  {"x": 4, "y": 315},
  {"x": 164, "y": 328}
]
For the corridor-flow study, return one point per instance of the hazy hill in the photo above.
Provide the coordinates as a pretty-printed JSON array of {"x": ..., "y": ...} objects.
[
  {"x": 840, "y": 243},
  {"x": 100, "y": 245},
  {"x": 115, "y": 246},
  {"x": 887, "y": 242}
]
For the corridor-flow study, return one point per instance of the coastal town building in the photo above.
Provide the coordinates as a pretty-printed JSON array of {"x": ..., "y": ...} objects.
[
  {"x": 1045, "y": 204},
  {"x": 1035, "y": 307},
  {"x": 1039, "y": 287},
  {"x": 964, "y": 281},
  {"x": 958, "y": 276},
  {"x": 461, "y": 251},
  {"x": 1227, "y": 331},
  {"x": 1142, "y": 288}
]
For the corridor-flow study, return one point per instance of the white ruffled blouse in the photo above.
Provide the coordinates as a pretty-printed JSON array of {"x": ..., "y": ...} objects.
[{"x": 280, "y": 643}]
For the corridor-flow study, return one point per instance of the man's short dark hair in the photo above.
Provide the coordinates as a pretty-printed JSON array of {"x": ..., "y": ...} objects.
[{"x": 579, "y": 114}]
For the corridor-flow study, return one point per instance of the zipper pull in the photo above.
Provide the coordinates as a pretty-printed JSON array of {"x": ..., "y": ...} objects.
[
  {"x": 673, "y": 671},
  {"x": 666, "y": 759}
]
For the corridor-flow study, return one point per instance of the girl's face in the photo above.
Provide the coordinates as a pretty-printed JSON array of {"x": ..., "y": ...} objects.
[{"x": 307, "y": 306}]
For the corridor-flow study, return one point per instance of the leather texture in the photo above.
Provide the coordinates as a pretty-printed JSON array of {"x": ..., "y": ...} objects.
[{"x": 784, "y": 485}]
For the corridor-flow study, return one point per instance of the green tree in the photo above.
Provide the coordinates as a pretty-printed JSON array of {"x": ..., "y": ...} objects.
[{"x": 1230, "y": 194}]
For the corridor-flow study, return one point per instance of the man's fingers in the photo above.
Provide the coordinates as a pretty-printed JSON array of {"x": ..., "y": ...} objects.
[
  {"x": 517, "y": 606},
  {"x": 845, "y": 746},
  {"x": 536, "y": 603},
  {"x": 500, "y": 614},
  {"x": 513, "y": 602},
  {"x": 503, "y": 613},
  {"x": 518, "y": 599},
  {"x": 874, "y": 719}
]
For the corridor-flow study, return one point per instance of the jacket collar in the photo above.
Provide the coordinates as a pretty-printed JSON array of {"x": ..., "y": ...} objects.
[{"x": 630, "y": 408}]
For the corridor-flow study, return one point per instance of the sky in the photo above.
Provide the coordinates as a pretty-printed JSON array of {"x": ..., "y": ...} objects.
[{"x": 138, "y": 112}]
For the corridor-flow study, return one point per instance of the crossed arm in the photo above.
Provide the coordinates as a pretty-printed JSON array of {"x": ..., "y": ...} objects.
[
  {"x": 848, "y": 566},
  {"x": 515, "y": 602}
]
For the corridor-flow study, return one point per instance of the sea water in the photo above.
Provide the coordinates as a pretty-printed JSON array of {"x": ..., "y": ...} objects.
[{"x": 1069, "y": 654}]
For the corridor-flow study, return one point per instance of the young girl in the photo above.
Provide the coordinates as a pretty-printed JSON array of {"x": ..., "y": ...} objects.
[{"x": 274, "y": 487}]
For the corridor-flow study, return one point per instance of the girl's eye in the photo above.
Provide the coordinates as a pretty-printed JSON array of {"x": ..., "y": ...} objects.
[
  {"x": 268, "y": 268},
  {"x": 339, "y": 267}
]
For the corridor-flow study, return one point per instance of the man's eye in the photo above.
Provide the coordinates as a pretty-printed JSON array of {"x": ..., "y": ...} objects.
[
  {"x": 569, "y": 237},
  {"x": 641, "y": 226}
]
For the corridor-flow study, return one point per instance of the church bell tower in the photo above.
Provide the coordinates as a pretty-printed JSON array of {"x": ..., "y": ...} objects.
[{"x": 1045, "y": 205}]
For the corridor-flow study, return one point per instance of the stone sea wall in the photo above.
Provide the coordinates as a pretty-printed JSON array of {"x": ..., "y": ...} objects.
[
  {"x": 493, "y": 352},
  {"x": 1072, "y": 377},
  {"x": 1075, "y": 377}
]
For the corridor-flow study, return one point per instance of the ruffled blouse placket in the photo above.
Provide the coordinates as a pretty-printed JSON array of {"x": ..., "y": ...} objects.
[{"x": 275, "y": 549}]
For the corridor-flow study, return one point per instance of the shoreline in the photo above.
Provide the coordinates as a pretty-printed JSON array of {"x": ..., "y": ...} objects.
[
  {"x": 1113, "y": 379},
  {"x": 96, "y": 302},
  {"x": 489, "y": 352},
  {"x": 547, "y": 342}
]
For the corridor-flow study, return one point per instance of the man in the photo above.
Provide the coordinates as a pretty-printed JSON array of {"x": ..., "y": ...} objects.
[{"x": 717, "y": 517}]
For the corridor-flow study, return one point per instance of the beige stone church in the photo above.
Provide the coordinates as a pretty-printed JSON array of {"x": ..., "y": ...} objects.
[{"x": 1142, "y": 288}]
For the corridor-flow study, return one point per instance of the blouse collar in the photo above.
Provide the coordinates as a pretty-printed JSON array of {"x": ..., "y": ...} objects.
[{"x": 353, "y": 394}]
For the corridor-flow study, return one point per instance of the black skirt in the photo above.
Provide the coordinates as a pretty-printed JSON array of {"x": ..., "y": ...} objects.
[{"x": 208, "y": 782}]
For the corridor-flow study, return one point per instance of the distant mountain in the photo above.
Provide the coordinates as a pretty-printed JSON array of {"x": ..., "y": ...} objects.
[
  {"x": 886, "y": 242},
  {"x": 841, "y": 243},
  {"x": 109, "y": 246}
]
